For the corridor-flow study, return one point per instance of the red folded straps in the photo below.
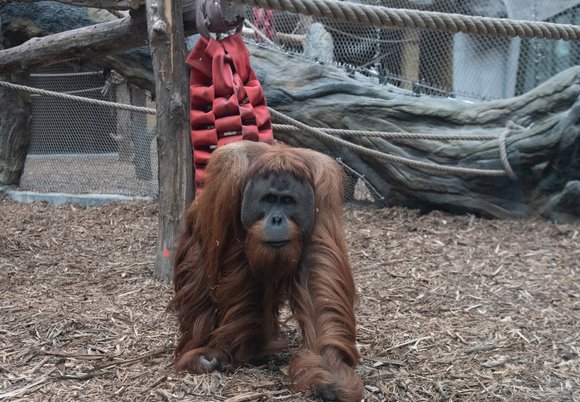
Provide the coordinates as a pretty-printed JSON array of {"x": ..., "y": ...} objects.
[{"x": 227, "y": 100}]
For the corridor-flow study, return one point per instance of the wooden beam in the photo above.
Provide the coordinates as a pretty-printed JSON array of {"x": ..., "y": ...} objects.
[
  {"x": 167, "y": 44},
  {"x": 91, "y": 42},
  {"x": 106, "y": 4}
]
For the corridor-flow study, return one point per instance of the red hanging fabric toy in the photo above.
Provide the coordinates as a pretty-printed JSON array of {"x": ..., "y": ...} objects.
[{"x": 227, "y": 100}]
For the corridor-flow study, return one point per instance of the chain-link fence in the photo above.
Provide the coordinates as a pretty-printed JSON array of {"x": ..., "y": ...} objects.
[
  {"x": 436, "y": 63},
  {"x": 84, "y": 148}
]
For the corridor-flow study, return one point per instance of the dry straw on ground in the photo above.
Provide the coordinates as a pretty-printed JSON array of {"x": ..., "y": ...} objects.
[{"x": 451, "y": 308}]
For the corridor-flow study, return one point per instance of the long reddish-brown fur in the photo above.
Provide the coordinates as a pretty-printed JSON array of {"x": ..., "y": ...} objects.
[{"x": 228, "y": 312}]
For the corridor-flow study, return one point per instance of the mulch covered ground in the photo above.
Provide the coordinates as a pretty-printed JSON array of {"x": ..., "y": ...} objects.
[{"x": 451, "y": 308}]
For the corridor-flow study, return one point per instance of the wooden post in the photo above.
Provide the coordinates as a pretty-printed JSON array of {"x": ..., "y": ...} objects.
[
  {"x": 167, "y": 44},
  {"x": 410, "y": 57},
  {"x": 15, "y": 134},
  {"x": 123, "y": 134},
  {"x": 15, "y": 130}
]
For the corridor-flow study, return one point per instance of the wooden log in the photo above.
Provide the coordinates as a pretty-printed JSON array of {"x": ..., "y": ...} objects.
[
  {"x": 326, "y": 97},
  {"x": 166, "y": 39},
  {"x": 89, "y": 42}
]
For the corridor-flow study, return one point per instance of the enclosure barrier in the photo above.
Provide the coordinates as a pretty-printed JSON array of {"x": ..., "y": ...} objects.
[{"x": 167, "y": 50}]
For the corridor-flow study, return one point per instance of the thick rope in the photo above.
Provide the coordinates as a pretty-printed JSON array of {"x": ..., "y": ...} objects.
[
  {"x": 61, "y": 95},
  {"x": 391, "y": 135},
  {"x": 427, "y": 20},
  {"x": 383, "y": 156}
]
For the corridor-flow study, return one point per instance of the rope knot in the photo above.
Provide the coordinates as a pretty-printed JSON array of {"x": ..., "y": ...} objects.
[{"x": 511, "y": 126}]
